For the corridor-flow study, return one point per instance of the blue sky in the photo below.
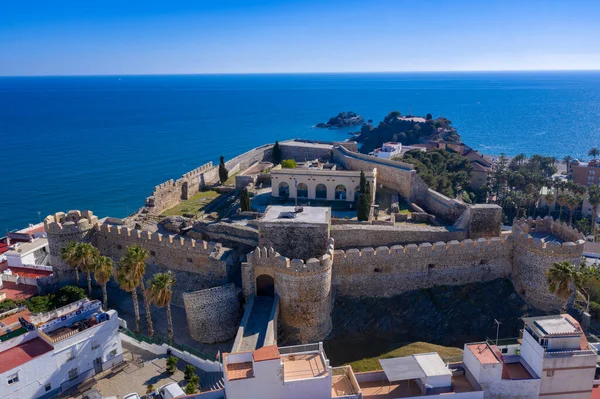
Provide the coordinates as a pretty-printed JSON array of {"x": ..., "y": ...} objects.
[{"x": 88, "y": 37}]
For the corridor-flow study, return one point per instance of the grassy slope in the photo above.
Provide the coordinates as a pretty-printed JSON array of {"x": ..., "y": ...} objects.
[
  {"x": 372, "y": 363},
  {"x": 193, "y": 205}
]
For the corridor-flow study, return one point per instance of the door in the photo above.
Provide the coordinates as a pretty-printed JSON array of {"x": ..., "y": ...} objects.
[{"x": 98, "y": 365}]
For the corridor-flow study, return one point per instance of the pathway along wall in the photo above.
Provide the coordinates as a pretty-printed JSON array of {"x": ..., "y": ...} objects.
[
  {"x": 213, "y": 315},
  {"x": 386, "y": 272}
]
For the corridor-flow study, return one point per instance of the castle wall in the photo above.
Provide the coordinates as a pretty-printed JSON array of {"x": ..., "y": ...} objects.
[
  {"x": 303, "y": 287},
  {"x": 213, "y": 314},
  {"x": 295, "y": 240},
  {"x": 533, "y": 258},
  {"x": 393, "y": 174},
  {"x": 226, "y": 233},
  {"x": 366, "y": 235},
  {"x": 385, "y": 271},
  {"x": 208, "y": 262},
  {"x": 63, "y": 228}
]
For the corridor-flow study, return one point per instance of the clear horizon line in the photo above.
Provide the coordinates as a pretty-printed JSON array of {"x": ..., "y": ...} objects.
[{"x": 301, "y": 73}]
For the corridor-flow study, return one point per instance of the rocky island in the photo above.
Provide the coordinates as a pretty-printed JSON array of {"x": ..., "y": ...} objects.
[{"x": 343, "y": 119}]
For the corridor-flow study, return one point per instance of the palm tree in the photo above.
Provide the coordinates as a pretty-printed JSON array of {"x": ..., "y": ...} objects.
[
  {"x": 127, "y": 283},
  {"x": 103, "y": 269},
  {"x": 86, "y": 256},
  {"x": 135, "y": 260},
  {"x": 573, "y": 202},
  {"x": 561, "y": 199},
  {"x": 69, "y": 255},
  {"x": 594, "y": 152},
  {"x": 567, "y": 160},
  {"x": 560, "y": 278},
  {"x": 594, "y": 200},
  {"x": 161, "y": 292}
]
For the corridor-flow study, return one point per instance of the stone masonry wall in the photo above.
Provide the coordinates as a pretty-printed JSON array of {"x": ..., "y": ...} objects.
[
  {"x": 226, "y": 233},
  {"x": 63, "y": 228},
  {"x": 213, "y": 315},
  {"x": 364, "y": 235},
  {"x": 385, "y": 271},
  {"x": 304, "y": 289},
  {"x": 207, "y": 261}
]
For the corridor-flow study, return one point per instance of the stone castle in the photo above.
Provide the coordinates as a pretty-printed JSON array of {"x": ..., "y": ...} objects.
[{"x": 303, "y": 262}]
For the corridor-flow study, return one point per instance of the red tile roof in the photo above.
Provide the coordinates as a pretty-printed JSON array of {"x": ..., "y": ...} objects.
[
  {"x": 21, "y": 354},
  {"x": 3, "y": 246},
  {"x": 18, "y": 291},
  {"x": 30, "y": 273},
  {"x": 266, "y": 353},
  {"x": 14, "y": 318}
]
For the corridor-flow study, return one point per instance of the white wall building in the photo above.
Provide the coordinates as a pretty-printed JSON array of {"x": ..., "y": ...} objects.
[
  {"x": 388, "y": 150},
  {"x": 320, "y": 184},
  {"x": 552, "y": 360},
  {"x": 47, "y": 360}
]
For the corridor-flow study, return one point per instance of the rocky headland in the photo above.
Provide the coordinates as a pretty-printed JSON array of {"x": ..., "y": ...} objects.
[{"x": 343, "y": 119}]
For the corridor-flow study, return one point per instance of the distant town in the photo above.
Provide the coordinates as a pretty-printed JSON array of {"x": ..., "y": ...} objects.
[{"x": 396, "y": 264}]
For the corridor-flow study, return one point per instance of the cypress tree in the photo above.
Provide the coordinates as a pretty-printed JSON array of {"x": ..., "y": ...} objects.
[
  {"x": 223, "y": 172},
  {"x": 364, "y": 201},
  {"x": 245, "y": 200},
  {"x": 276, "y": 155}
]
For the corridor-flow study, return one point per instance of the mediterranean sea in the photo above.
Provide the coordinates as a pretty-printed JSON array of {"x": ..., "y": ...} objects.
[{"x": 103, "y": 142}]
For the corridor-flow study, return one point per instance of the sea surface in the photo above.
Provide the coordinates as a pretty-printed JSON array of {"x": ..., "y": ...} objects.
[{"x": 103, "y": 143}]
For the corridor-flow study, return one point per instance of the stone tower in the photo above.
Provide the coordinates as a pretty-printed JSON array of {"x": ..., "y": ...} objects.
[{"x": 63, "y": 228}]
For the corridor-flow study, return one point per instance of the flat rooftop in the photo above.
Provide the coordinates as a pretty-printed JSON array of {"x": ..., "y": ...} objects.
[
  {"x": 299, "y": 367},
  {"x": 309, "y": 214},
  {"x": 483, "y": 353},
  {"x": 383, "y": 389},
  {"x": 24, "y": 248},
  {"x": 21, "y": 354},
  {"x": 552, "y": 325},
  {"x": 29, "y": 273}
]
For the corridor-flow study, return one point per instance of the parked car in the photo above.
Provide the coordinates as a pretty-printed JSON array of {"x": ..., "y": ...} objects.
[
  {"x": 132, "y": 396},
  {"x": 170, "y": 391},
  {"x": 94, "y": 394}
]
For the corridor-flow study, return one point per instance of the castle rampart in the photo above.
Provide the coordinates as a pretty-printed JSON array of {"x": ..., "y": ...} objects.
[
  {"x": 63, "y": 228},
  {"x": 304, "y": 289},
  {"x": 213, "y": 314}
]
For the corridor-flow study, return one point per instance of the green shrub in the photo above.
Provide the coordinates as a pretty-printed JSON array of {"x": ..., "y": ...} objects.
[
  {"x": 190, "y": 388},
  {"x": 288, "y": 164},
  {"x": 172, "y": 364},
  {"x": 595, "y": 310},
  {"x": 189, "y": 372}
]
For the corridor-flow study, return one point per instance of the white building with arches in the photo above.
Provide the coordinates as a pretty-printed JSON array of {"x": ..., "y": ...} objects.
[{"x": 320, "y": 184}]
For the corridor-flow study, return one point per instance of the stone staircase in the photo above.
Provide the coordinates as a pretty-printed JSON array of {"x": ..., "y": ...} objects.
[{"x": 210, "y": 381}]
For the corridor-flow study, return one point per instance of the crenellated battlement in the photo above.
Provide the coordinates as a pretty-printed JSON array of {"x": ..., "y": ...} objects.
[
  {"x": 424, "y": 250},
  {"x": 548, "y": 225},
  {"x": 174, "y": 241},
  {"x": 198, "y": 171},
  {"x": 70, "y": 222},
  {"x": 164, "y": 186},
  {"x": 535, "y": 244},
  {"x": 263, "y": 256}
]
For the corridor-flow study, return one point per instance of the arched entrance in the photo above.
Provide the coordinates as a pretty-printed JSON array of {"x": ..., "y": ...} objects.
[
  {"x": 302, "y": 191},
  {"x": 265, "y": 285},
  {"x": 284, "y": 189},
  {"x": 321, "y": 191},
  {"x": 340, "y": 192}
]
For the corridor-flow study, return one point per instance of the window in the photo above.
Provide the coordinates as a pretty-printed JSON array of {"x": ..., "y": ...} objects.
[
  {"x": 153, "y": 253},
  {"x": 119, "y": 246},
  {"x": 431, "y": 266},
  {"x": 71, "y": 355},
  {"x": 483, "y": 262},
  {"x": 12, "y": 379},
  {"x": 377, "y": 270},
  {"x": 112, "y": 353},
  {"x": 550, "y": 373},
  {"x": 189, "y": 260},
  {"x": 504, "y": 350},
  {"x": 95, "y": 344},
  {"x": 73, "y": 374},
  {"x": 48, "y": 387}
]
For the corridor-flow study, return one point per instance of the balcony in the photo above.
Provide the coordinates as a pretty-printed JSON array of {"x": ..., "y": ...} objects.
[
  {"x": 301, "y": 362},
  {"x": 344, "y": 384}
]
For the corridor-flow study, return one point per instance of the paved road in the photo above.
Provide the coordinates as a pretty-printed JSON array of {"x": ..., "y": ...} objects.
[{"x": 256, "y": 328}]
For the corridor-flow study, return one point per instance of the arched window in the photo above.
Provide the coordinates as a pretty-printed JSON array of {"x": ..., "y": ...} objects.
[
  {"x": 302, "y": 190},
  {"x": 340, "y": 192},
  {"x": 284, "y": 189},
  {"x": 321, "y": 191},
  {"x": 356, "y": 193}
]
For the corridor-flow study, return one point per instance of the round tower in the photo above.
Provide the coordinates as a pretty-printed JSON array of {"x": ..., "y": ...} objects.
[
  {"x": 305, "y": 298},
  {"x": 63, "y": 228}
]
